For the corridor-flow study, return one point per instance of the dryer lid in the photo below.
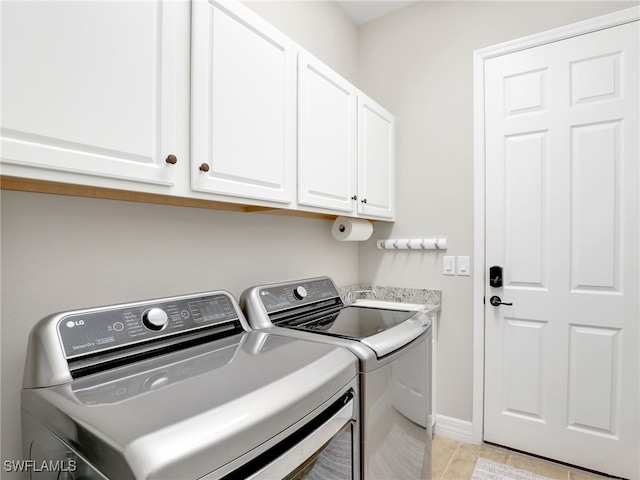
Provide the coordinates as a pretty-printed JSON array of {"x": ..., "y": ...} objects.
[{"x": 193, "y": 411}]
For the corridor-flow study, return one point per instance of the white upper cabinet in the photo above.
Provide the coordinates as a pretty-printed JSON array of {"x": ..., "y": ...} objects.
[
  {"x": 346, "y": 145},
  {"x": 242, "y": 104},
  {"x": 100, "y": 94},
  {"x": 90, "y": 88},
  {"x": 376, "y": 160},
  {"x": 327, "y": 137}
]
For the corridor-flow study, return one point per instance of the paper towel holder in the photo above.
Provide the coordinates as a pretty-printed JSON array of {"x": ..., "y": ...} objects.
[
  {"x": 351, "y": 229},
  {"x": 413, "y": 244}
]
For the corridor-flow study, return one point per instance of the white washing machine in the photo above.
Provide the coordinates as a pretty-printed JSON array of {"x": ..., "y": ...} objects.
[{"x": 179, "y": 388}]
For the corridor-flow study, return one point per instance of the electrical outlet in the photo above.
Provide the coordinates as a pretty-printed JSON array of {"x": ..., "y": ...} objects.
[{"x": 448, "y": 265}]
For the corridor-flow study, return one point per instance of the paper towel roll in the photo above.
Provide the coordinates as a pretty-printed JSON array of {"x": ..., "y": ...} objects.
[{"x": 351, "y": 229}]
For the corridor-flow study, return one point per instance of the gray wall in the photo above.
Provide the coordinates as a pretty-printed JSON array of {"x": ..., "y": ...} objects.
[
  {"x": 61, "y": 253},
  {"x": 418, "y": 63}
]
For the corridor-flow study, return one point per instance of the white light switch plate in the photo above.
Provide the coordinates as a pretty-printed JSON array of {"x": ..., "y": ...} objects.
[
  {"x": 448, "y": 265},
  {"x": 464, "y": 266}
]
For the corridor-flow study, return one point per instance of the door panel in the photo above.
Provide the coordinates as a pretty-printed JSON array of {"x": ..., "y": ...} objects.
[
  {"x": 243, "y": 104},
  {"x": 327, "y": 136},
  {"x": 376, "y": 160},
  {"x": 594, "y": 380},
  {"x": 562, "y": 176},
  {"x": 596, "y": 79},
  {"x": 525, "y": 160},
  {"x": 522, "y": 372},
  {"x": 91, "y": 87},
  {"x": 595, "y": 162}
]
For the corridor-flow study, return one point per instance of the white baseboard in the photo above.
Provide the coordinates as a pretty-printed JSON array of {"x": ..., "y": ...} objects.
[{"x": 461, "y": 430}]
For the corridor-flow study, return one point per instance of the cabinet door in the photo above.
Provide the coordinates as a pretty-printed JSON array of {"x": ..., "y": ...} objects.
[
  {"x": 243, "y": 104},
  {"x": 327, "y": 137},
  {"x": 376, "y": 160},
  {"x": 90, "y": 88}
]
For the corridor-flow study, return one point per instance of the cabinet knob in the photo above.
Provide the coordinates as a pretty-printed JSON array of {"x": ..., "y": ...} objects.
[
  {"x": 204, "y": 167},
  {"x": 355, "y": 197},
  {"x": 364, "y": 201},
  {"x": 172, "y": 159}
]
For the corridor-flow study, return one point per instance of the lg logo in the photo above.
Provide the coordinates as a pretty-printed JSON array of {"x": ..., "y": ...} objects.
[{"x": 72, "y": 323}]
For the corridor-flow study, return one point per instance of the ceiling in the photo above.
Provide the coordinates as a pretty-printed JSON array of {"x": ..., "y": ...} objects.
[{"x": 363, "y": 11}]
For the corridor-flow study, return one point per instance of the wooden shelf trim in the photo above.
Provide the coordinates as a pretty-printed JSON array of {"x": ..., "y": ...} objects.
[{"x": 56, "y": 188}]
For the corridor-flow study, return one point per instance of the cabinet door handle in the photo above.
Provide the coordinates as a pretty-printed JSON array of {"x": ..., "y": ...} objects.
[
  {"x": 172, "y": 159},
  {"x": 364, "y": 201},
  {"x": 355, "y": 197},
  {"x": 204, "y": 167}
]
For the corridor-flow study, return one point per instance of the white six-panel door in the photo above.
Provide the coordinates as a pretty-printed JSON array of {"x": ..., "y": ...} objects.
[{"x": 562, "y": 362}]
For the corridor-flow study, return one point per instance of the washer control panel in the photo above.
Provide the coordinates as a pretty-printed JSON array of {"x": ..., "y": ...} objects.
[
  {"x": 285, "y": 296},
  {"x": 94, "y": 331}
]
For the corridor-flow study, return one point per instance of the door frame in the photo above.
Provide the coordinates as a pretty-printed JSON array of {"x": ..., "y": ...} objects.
[{"x": 480, "y": 277}]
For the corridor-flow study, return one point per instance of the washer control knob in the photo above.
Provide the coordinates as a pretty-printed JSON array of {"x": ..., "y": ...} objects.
[
  {"x": 300, "y": 292},
  {"x": 155, "y": 319}
]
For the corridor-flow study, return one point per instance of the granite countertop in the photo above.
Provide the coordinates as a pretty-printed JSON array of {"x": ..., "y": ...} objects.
[{"x": 431, "y": 299}]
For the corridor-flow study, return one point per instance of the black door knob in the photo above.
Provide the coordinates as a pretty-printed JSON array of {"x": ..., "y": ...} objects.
[{"x": 496, "y": 300}]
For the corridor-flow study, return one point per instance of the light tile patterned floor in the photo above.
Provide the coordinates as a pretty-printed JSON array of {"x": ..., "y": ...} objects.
[{"x": 454, "y": 460}]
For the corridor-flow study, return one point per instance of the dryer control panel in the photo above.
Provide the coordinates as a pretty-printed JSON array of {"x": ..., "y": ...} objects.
[{"x": 110, "y": 328}]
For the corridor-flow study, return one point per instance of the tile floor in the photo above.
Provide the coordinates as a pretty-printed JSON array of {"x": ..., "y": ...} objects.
[{"x": 454, "y": 460}]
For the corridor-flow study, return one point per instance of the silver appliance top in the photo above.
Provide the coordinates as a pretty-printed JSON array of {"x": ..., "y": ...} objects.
[
  {"x": 144, "y": 395},
  {"x": 314, "y": 305}
]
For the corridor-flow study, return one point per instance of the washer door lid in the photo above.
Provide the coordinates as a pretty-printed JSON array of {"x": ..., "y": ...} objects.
[{"x": 390, "y": 340}]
